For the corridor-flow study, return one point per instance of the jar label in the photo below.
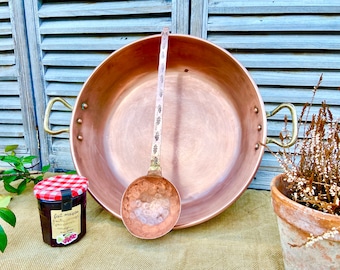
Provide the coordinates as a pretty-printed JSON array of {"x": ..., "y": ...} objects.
[{"x": 66, "y": 225}]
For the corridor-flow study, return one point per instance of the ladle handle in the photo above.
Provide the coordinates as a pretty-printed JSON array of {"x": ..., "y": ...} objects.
[
  {"x": 48, "y": 113},
  {"x": 294, "y": 123},
  {"x": 155, "y": 166}
]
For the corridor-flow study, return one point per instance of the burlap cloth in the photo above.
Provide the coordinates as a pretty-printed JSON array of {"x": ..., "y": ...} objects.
[{"x": 245, "y": 236}]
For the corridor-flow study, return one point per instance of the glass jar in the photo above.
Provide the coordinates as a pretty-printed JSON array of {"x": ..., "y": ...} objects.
[{"x": 62, "y": 208}]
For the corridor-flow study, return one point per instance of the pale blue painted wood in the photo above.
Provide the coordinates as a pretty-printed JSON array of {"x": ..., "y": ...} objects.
[
  {"x": 60, "y": 155},
  {"x": 22, "y": 149},
  {"x": 9, "y": 103},
  {"x": 68, "y": 74},
  {"x": 9, "y": 88},
  {"x": 63, "y": 89},
  {"x": 272, "y": 7},
  {"x": 22, "y": 64},
  {"x": 276, "y": 41},
  {"x": 294, "y": 78},
  {"x": 114, "y": 8},
  {"x": 100, "y": 26},
  {"x": 5, "y": 42},
  {"x": 5, "y": 28},
  {"x": 277, "y": 23},
  {"x": 60, "y": 118},
  {"x": 7, "y": 59},
  {"x": 88, "y": 43},
  {"x": 11, "y": 122},
  {"x": 10, "y": 114},
  {"x": 8, "y": 73},
  {"x": 299, "y": 95},
  {"x": 74, "y": 59},
  {"x": 11, "y": 117},
  {"x": 4, "y": 12},
  {"x": 180, "y": 16},
  {"x": 17, "y": 125},
  {"x": 198, "y": 18},
  {"x": 14, "y": 131},
  {"x": 288, "y": 60}
]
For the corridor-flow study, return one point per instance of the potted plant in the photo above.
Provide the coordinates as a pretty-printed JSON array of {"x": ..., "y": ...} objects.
[{"x": 306, "y": 197}]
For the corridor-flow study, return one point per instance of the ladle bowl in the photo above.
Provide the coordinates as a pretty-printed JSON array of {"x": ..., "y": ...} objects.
[{"x": 150, "y": 207}]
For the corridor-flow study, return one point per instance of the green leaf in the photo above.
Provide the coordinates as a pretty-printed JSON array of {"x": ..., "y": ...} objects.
[
  {"x": 10, "y": 148},
  {"x": 38, "y": 179},
  {"x": 10, "y": 188},
  {"x": 3, "y": 239},
  {"x": 8, "y": 216},
  {"x": 20, "y": 167},
  {"x": 28, "y": 159},
  {"x": 22, "y": 186},
  {"x": 9, "y": 179},
  {"x": 45, "y": 168},
  {"x": 11, "y": 159},
  {"x": 9, "y": 171},
  {"x": 4, "y": 200},
  {"x": 71, "y": 172}
]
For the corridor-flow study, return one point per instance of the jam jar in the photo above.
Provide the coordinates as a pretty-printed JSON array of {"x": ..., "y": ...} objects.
[{"x": 62, "y": 208}]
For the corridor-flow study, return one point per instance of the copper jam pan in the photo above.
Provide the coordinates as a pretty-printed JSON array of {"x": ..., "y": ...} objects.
[{"x": 213, "y": 125}]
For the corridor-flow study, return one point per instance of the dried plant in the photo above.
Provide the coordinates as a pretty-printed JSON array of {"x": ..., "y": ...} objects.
[{"x": 312, "y": 167}]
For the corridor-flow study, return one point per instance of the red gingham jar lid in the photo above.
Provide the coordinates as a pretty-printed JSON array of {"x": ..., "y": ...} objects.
[{"x": 50, "y": 188}]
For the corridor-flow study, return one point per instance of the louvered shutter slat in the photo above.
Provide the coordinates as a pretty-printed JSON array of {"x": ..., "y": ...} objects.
[
  {"x": 95, "y": 26},
  {"x": 63, "y": 89},
  {"x": 11, "y": 117},
  {"x": 86, "y": 43},
  {"x": 287, "y": 60},
  {"x": 272, "y": 7},
  {"x": 277, "y": 41},
  {"x": 104, "y": 8},
  {"x": 74, "y": 59},
  {"x": 283, "y": 23},
  {"x": 9, "y": 88}
]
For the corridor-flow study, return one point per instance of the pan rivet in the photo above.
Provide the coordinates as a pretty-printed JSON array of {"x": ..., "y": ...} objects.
[
  {"x": 259, "y": 127},
  {"x": 80, "y": 138},
  {"x": 79, "y": 121},
  {"x": 256, "y": 110},
  {"x": 257, "y": 146},
  {"x": 84, "y": 106}
]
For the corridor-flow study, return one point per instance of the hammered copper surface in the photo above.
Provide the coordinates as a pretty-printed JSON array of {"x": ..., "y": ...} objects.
[
  {"x": 212, "y": 114},
  {"x": 151, "y": 207}
]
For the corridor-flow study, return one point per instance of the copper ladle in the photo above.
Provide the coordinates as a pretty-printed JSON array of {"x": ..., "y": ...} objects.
[{"x": 151, "y": 204}]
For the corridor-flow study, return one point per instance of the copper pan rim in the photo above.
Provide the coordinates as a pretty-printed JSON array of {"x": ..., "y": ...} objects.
[{"x": 214, "y": 120}]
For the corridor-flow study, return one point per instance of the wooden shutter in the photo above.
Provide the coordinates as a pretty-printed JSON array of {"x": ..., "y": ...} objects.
[
  {"x": 285, "y": 44},
  {"x": 17, "y": 119},
  {"x": 71, "y": 38}
]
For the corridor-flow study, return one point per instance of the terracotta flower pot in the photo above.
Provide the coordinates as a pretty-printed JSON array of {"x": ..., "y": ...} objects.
[{"x": 296, "y": 223}]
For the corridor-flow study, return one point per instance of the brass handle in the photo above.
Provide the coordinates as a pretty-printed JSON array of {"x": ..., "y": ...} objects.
[
  {"x": 294, "y": 123},
  {"x": 48, "y": 113}
]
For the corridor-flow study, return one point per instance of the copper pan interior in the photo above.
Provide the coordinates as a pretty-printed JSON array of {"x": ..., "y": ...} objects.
[{"x": 213, "y": 119}]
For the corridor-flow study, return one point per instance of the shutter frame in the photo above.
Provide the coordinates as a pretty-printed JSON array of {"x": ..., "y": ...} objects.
[{"x": 17, "y": 117}]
